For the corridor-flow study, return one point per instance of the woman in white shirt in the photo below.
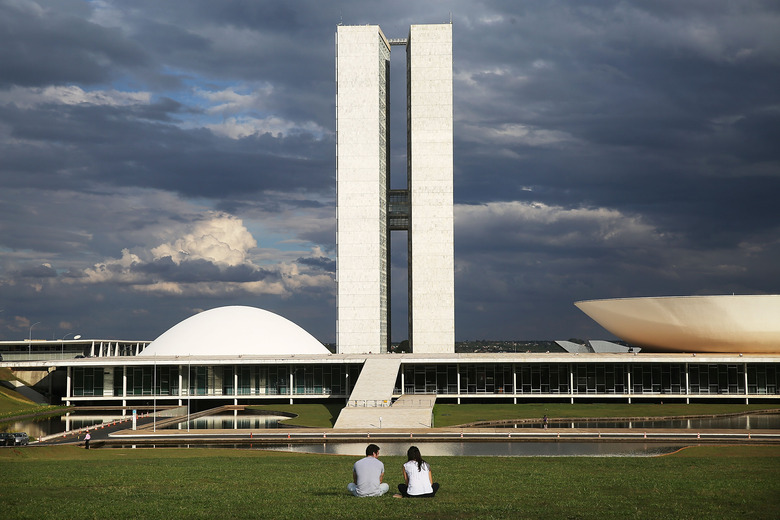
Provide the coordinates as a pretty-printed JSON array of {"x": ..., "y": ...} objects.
[{"x": 418, "y": 479}]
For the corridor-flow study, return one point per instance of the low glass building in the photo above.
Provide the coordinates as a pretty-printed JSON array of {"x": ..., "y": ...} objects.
[
  {"x": 451, "y": 378},
  {"x": 243, "y": 355}
]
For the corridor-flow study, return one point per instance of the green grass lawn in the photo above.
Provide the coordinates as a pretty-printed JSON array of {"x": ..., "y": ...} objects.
[
  {"x": 12, "y": 402},
  {"x": 324, "y": 416},
  {"x": 313, "y": 415},
  {"x": 69, "y": 482},
  {"x": 453, "y": 414}
]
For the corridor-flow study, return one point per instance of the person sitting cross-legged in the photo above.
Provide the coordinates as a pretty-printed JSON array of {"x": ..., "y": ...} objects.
[
  {"x": 367, "y": 475},
  {"x": 418, "y": 479}
]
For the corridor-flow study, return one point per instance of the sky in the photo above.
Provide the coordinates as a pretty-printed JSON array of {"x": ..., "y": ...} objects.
[{"x": 158, "y": 159}]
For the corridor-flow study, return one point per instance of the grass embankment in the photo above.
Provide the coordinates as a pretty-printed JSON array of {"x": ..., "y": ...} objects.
[
  {"x": 324, "y": 416},
  {"x": 455, "y": 414},
  {"x": 308, "y": 415},
  {"x": 13, "y": 404},
  {"x": 12, "y": 401},
  {"x": 68, "y": 482}
]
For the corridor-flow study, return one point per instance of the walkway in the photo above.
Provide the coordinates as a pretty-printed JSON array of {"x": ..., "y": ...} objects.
[
  {"x": 374, "y": 387},
  {"x": 371, "y": 403}
]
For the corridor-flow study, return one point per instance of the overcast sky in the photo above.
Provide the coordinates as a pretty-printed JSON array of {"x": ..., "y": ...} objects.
[{"x": 162, "y": 158}]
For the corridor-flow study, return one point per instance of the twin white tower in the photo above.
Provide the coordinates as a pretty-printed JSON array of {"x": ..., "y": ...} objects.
[{"x": 367, "y": 210}]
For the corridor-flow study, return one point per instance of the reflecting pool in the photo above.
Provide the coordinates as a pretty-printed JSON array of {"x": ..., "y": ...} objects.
[
  {"x": 230, "y": 421},
  {"x": 736, "y": 422},
  {"x": 50, "y": 425},
  {"x": 491, "y": 449}
]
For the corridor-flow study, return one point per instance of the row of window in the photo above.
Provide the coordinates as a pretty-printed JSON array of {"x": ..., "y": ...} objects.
[
  {"x": 442, "y": 379},
  {"x": 218, "y": 380},
  {"x": 588, "y": 378}
]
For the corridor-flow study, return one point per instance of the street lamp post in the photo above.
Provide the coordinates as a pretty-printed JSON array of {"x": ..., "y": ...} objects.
[{"x": 29, "y": 341}]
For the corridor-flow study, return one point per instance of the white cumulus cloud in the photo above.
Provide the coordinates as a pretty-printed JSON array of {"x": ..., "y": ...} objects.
[{"x": 71, "y": 95}]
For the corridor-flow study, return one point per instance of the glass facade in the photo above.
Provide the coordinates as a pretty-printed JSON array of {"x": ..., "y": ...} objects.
[
  {"x": 87, "y": 381},
  {"x": 762, "y": 379},
  {"x": 717, "y": 379},
  {"x": 443, "y": 379},
  {"x": 198, "y": 380},
  {"x": 588, "y": 378}
]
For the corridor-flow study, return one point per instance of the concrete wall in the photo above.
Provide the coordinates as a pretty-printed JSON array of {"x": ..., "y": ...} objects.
[
  {"x": 431, "y": 248},
  {"x": 362, "y": 62}
]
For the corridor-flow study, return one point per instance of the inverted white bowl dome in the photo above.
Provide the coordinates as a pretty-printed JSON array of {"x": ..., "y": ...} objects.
[
  {"x": 235, "y": 331},
  {"x": 692, "y": 323}
]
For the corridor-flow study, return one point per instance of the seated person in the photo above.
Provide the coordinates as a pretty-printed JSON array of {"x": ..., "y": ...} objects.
[
  {"x": 367, "y": 475},
  {"x": 418, "y": 479}
]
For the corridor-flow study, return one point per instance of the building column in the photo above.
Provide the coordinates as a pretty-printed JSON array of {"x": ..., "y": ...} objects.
[
  {"x": 630, "y": 388},
  {"x": 747, "y": 399},
  {"x": 458, "y": 368},
  {"x": 571, "y": 382},
  {"x": 290, "y": 371},
  {"x": 235, "y": 383},
  {"x": 67, "y": 387},
  {"x": 687, "y": 386},
  {"x": 514, "y": 383}
]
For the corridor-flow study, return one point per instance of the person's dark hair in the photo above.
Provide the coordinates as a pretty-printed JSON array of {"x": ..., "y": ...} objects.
[
  {"x": 371, "y": 449},
  {"x": 413, "y": 453}
]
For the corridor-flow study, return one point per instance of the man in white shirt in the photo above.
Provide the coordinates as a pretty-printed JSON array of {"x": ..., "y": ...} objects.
[{"x": 367, "y": 475}]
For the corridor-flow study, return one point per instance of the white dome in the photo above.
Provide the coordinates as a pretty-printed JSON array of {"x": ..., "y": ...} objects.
[{"x": 235, "y": 331}]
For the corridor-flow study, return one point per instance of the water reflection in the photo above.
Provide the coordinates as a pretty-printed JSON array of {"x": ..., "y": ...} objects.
[
  {"x": 492, "y": 449},
  {"x": 232, "y": 422},
  {"x": 51, "y": 425},
  {"x": 69, "y": 422},
  {"x": 740, "y": 422}
]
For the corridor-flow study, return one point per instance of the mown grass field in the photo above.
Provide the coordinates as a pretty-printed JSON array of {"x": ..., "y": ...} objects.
[
  {"x": 69, "y": 482},
  {"x": 10, "y": 401},
  {"x": 312, "y": 415},
  {"x": 453, "y": 414}
]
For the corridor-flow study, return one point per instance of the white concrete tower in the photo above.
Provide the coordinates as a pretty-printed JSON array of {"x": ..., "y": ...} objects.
[
  {"x": 430, "y": 135},
  {"x": 424, "y": 209},
  {"x": 362, "y": 73}
]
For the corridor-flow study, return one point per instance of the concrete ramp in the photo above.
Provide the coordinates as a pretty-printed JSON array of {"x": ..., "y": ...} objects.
[
  {"x": 385, "y": 418},
  {"x": 372, "y": 394},
  {"x": 369, "y": 406},
  {"x": 374, "y": 387},
  {"x": 409, "y": 411}
]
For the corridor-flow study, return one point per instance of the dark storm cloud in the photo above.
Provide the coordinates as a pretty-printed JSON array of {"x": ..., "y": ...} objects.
[
  {"x": 41, "y": 271},
  {"x": 602, "y": 149},
  {"x": 199, "y": 270},
  {"x": 41, "y": 46},
  {"x": 124, "y": 146},
  {"x": 322, "y": 263}
]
